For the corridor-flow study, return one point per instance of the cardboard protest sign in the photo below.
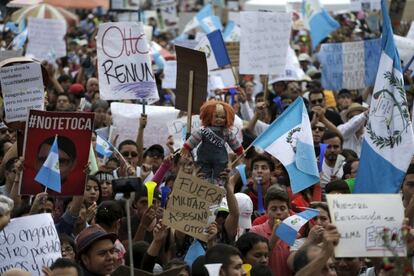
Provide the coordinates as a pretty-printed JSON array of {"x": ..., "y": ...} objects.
[
  {"x": 351, "y": 65},
  {"x": 124, "y": 63},
  {"x": 74, "y": 130},
  {"x": 170, "y": 74},
  {"x": 5, "y": 54},
  {"x": 361, "y": 220},
  {"x": 29, "y": 243},
  {"x": 22, "y": 89},
  {"x": 46, "y": 39},
  {"x": 233, "y": 49},
  {"x": 189, "y": 205},
  {"x": 125, "y": 120},
  {"x": 264, "y": 42},
  {"x": 190, "y": 60}
]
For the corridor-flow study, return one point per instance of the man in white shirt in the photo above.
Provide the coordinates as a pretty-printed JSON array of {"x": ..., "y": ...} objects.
[{"x": 333, "y": 162}]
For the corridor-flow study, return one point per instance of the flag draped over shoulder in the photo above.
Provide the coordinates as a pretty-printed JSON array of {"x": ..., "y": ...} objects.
[
  {"x": 49, "y": 173},
  {"x": 289, "y": 139},
  {"x": 388, "y": 144},
  {"x": 318, "y": 21}
]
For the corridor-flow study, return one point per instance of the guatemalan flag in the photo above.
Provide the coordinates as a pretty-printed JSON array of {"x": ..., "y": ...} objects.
[
  {"x": 318, "y": 21},
  {"x": 196, "y": 21},
  {"x": 216, "y": 52},
  {"x": 388, "y": 144},
  {"x": 232, "y": 32},
  {"x": 103, "y": 147},
  {"x": 49, "y": 173},
  {"x": 289, "y": 228},
  {"x": 289, "y": 139}
]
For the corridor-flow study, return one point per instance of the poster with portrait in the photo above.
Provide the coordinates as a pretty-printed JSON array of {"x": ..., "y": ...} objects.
[{"x": 74, "y": 131}]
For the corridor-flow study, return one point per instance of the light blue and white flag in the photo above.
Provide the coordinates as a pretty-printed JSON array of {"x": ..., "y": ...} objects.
[
  {"x": 388, "y": 145},
  {"x": 216, "y": 52},
  {"x": 196, "y": 250},
  {"x": 103, "y": 147},
  {"x": 351, "y": 65},
  {"x": 156, "y": 56},
  {"x": 289, "y": 228},
  {"x": 210, "y": 24},
  {"x": 232, "y": 32},
  {"x": 289, "y": 139},
  {"x": 206, "y": 11},
  {"x": 49, "y": 173},
  {"x": 20, "y": 39},
  {"x": 318, "y": 21}
]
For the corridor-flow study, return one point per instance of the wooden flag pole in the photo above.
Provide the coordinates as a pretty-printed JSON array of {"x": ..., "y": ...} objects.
[
  {"x": 190, "y": 103},
  {"x": 240, "y": 156}
]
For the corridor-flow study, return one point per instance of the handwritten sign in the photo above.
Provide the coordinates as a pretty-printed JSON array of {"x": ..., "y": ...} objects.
[
  {"x": 189, "y": 205},
  {"x": 125, "y": 118},
  {"x": 5, "y": 54},
  {"x": 46, "y": 39},
  {"x": 124, "y": 63},
  {"x": 29, "y": 243},
  {"x": 361, "y": 220},
  {"x": 170, "y": 74},
  {"x": 293, "y": 71},
  {"x": 264, "y": 42},
  {"x": 166, "y": 13},
  {"x": 22, "y": 87}
]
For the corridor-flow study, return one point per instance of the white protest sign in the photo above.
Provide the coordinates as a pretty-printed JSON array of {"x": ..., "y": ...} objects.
[
  {"x": 361, "y": 220},
  {"x": 410, "y": 33},
  {"x": 178, "y": 128},
  {"x": 29, "y": 243},
  {"x": 167, "y": 15},
  {"x": 46, "y": 39},
  {"x": 405, "y": 48},
  {"x": 264, "y": 42},
  {"x": 124, "y": 63},
  {"x": 226, "y": 76},
  {"x": 125, "y": 120},
  {"x": 366, "y": 5},
  {"x": 22, "y": 87},
  {"x": 5, "y": 54},
  {"x": 170, "y": 74},
  {"x": 292, "y": 72}
]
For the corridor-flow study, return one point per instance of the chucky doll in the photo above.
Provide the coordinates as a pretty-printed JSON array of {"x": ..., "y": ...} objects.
[{"x": 217, "y": 119}]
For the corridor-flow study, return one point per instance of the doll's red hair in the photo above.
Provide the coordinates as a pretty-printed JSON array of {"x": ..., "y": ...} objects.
[{"x": 207, "y": 112}]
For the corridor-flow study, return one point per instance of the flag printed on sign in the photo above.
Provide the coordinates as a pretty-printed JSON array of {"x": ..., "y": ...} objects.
[
  {"x": 350, "y": 65},
  {"x": 318, "y": 21},
  {"x": 289, "y": 228},
  {"x": 49, "y": 173},
  {"x": 215, "y": 49},
  {"x": 388, "y": 144},
  {"x": 289, "y": 139},
  {"x": 103, "y": 147}
]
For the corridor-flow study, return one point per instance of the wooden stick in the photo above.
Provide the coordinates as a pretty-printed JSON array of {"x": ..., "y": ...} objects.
[
  {"x": 241, "y": 155},
  {"x": 190, "y": 103}
]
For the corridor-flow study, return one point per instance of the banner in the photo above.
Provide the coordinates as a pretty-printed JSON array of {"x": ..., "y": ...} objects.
[
  {"x": 22, "y": 89},
  {"x": 361, "y": 220},
  {"x": 29, "y": 243},
  {"x": 264, "y": 42},
  {"x": 124, "y": 63},
  {"x": 125, "y": 120},
  {"x": 190, "y": 204},
  {"x": 46, "y": 39},
  {"x": 351, "y": 65},
  {"x": 74, "y": 130}
]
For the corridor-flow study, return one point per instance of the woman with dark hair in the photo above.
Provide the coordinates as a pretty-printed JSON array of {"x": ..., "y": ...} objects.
[
  {"x": 67, "y": 246},
  {"x": 254, "y": 249}
]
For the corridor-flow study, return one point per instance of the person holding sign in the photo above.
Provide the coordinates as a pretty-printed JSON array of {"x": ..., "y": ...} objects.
[{"x": 217, "y": 118}]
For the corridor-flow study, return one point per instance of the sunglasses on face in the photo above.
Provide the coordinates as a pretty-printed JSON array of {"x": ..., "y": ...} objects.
[
  {"x": 317, "y": 101},
  {"x": 318, "y": 128},
  {"x": 129, "y": 153}
]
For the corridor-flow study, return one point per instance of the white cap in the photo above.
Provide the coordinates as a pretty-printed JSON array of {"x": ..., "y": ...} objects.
[
  {"x": 246, "y": 210},
  {"x": 304, "y": 57}
]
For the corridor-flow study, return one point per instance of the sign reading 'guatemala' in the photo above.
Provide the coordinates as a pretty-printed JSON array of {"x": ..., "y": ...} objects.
[{"x": 351, "y": 65}]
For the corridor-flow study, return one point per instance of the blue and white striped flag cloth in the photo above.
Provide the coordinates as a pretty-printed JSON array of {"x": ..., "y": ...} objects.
[
  {"x": 289, "y": 139},
  {"x": 232, "y": 32},
  {"x": 350, "y": 65},
  {"x": 289, "y": 228},
  {"x": 318, "y": 21},
  {"x": 19, "y": 40},
  {"x": 216, "y": 52},
  {"x": 388, "y": 145},
  {"x": 206, "y": 11},
  {"x": 103, "y": 147},
  {"x": 49, "y": 173}
]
